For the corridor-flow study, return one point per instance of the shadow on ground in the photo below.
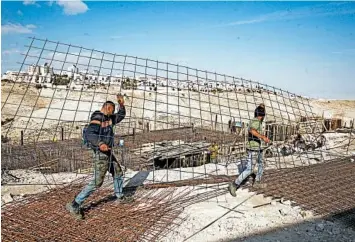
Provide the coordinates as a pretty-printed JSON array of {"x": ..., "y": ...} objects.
[
  {"x": 129, "y": 190},
  {"x": 338, "y": 227}
]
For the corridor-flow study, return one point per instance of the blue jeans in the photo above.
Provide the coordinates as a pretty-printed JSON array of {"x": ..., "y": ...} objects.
[
  {"x": 102, "y": 164},
  {"x": 249, "y": 168}
]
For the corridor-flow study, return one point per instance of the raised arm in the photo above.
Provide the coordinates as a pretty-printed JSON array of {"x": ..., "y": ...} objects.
[{"x": 121, "y": 114}]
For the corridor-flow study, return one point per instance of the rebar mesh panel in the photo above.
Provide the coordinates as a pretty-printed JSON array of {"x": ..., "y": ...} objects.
[{"x": 174, "y": 113}]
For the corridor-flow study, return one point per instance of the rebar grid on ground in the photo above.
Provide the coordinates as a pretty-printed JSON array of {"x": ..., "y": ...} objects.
[
  {"x": 327, "y": 189},
  {"x": 158, "y": 207},
  {"x": 153, "y": 213}
]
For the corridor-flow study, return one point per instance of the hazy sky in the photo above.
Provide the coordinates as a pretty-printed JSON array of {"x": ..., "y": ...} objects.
[{"x": 304, "y": 47}]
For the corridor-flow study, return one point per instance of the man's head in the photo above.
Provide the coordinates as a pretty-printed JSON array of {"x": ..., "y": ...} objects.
[
  {"x": 108, "y": 108},
  {"x": 260, "y": 112}
]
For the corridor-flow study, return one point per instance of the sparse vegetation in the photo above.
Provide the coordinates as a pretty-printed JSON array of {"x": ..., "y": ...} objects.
[
  {"x": 129, "y": 84},
  {"x": 61, "y": 81}
]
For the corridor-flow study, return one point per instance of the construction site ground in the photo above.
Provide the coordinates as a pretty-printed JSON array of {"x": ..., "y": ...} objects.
[{"x": 198, "y": 210}]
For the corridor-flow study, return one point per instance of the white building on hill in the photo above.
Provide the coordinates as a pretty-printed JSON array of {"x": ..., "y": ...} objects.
[
  {"x": 34, "y": 73},
  {"x": 44, "y": 74}
]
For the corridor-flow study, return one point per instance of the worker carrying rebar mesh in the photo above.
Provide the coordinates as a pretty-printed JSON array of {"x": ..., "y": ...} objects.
[
  {"x": 99, "y": 136},
  {"x": 254, "y": 149}
]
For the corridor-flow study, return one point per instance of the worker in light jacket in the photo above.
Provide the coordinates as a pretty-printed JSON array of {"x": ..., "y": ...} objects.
[{"x": 254, "y": 149}]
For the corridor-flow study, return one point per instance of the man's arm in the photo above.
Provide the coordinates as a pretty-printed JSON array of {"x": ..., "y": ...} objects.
[
  {"x": 260, "y": 136},
  {"x": 121, "y": 114}
]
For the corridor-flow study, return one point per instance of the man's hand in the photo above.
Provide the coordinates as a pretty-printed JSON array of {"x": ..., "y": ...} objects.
[
  {"x": 104, "y": 147},
  {"x": 266, "y": 139},
  {"x": 120, "y": 99}
]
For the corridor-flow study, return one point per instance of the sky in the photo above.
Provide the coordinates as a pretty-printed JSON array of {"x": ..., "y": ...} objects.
[{"x": 307, "y": 48}]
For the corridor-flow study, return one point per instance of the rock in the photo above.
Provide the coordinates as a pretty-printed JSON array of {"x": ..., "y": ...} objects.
[
  {"x": 273, "y": 203},
  {"x": 329, "y": 223},
  {"x": 306, "y": 214},
  {"x": 7, "y": 198},
  {"x": 229, "y": 226},
  {"x": 297, "y": 209},
  {"x": 319, "y": 227},
  {"x": 283, "y": 212},
  {"x": 285, "y": 202},
  {"x": 335, "y": 230}
]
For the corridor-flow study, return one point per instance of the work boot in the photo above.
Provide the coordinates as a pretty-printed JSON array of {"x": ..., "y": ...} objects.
[
  {"x": 74, "y": 208},
  {"x": 125, "y": 199},
  {"x": 232, "y": 188}
]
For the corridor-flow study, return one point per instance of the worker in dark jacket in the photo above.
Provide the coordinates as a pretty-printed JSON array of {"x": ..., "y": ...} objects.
[{"x": 99, "y": 136}]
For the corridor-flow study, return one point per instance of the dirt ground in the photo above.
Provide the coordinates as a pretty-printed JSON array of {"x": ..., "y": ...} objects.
[
  {"x": 334, "y": 108},
  {"x": 14, "y": 95}
]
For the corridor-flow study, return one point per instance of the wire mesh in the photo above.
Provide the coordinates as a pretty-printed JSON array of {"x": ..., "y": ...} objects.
[
  {"x": 174, "y": 115},
  {"x": 174, "y": 112}
]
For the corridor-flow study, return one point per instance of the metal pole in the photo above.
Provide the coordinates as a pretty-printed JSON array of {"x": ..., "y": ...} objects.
[
  {"x": 351, "y": 131},
  {"x": 21, "y": 137}
]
